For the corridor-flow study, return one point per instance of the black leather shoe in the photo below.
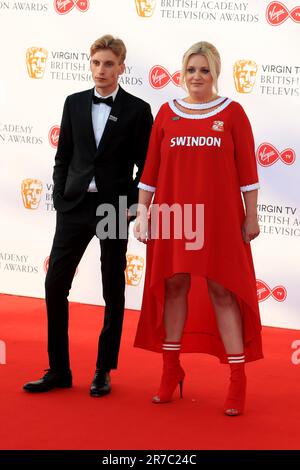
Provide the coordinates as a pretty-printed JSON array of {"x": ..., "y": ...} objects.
[
  {"x": 50, "y": 380},
  {"x": 101, "y": 384}
]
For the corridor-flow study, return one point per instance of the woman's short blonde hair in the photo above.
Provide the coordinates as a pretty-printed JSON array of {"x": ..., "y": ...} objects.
[
  {"x": 206, "y": 49},
  {"x": 116, "y": 45}
]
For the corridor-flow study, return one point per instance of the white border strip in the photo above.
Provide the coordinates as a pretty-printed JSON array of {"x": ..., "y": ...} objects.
[
  {"x": 208, "y": 105},
  {"x": 249, "y": 187},
  {"x": 146, "y": 187}
]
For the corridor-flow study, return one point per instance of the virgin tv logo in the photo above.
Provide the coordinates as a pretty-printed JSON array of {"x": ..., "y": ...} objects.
[
  {"x": 277, "y": 13},
  {"x": 159, "y": 77},
  {"x": 145, "y": 8},
  {"x": 53, "y": 136},
  {"x": 267, "y": 155},
  {"x": 134, "y": 269},
  {"x": 62, "y": 7},
  {"x": 279, "y": 293}
]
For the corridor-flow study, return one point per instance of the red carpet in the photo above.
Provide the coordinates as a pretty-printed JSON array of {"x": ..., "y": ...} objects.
[{"x": 126, "y": 419}]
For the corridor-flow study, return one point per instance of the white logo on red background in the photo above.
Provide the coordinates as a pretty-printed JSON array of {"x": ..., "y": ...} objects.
[
  {"x": 277, "y": 13},
  {"x": 62, "y": 7},
  {"x": 279, "y": 293},
  {"x": 218, "y": 126},
  {"x": 159, "y": 77},
  {"x": 295, "y": 358},
  {"x": 46, "y": 266},
  {"x": 2, "y": 352},
  {"x": 53, "y": 136},
  {"x": 267, "y": 155}
]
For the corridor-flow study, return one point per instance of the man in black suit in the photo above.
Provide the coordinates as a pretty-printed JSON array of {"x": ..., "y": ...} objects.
[{"x": 104, "y": 133}]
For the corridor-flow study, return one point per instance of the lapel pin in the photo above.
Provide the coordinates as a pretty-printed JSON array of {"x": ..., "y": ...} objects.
[{"x": 113, "y": 118}]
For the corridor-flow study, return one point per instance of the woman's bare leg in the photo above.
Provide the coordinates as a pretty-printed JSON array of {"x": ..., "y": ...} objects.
[
  {"x": 175, "y": 310},
  {"x": 228, "y": 316}
]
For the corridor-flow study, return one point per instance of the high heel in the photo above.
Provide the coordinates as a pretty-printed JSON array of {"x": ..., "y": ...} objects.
[
  {"x": 173, "y": 374},
  {"x": 169, "y": 382},
  {"x": 235, "y": 402}
]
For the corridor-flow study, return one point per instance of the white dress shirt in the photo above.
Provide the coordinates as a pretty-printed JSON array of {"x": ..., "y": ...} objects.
[{"x": 100, "y": 114}]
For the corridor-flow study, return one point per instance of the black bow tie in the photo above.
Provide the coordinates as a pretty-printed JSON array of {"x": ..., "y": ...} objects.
[{"x": 109, "y": 101}]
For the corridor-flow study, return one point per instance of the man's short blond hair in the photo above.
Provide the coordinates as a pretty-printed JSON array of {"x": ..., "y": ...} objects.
[{"x": 108, "y": 41}]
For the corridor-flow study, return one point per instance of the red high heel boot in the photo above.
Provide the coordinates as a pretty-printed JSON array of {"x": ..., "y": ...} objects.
[
  {"x": 173, "y": 374},
  {"x": 235, "y": 401}
]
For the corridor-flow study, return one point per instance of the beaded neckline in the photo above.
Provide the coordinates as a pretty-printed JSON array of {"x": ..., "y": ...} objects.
[
  {"x": 215, "y": 111},
  {"x": 206, "y": 105}
]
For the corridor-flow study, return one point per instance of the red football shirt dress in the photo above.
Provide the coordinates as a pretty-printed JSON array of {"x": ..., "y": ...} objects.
[{"x": 202, "y": 160}]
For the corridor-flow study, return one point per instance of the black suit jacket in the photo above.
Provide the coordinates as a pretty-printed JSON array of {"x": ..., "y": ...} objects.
[{"x": 124, "y": 143}]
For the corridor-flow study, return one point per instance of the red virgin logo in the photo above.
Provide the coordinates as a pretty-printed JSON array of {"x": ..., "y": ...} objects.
[
  {"x": 62, "y": 7},
  {"x": 279, "y": 293},
  {"x": 267, "y": 155},
  {"x": 277, "y": 13},
  {"x": 53, "y": 136},
  {"x": 159, "y": 77}
]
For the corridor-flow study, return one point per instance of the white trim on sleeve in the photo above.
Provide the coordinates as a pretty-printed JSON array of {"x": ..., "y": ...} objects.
[
  {"x": 249, "y": 187},
  {"x": 146, "y": 187}
]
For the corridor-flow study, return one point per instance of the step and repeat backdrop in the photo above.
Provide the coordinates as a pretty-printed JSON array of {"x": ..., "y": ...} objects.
[{"x": 45, "y": 57}]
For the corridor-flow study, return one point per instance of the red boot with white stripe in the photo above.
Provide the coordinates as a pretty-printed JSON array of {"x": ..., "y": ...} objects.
[
  {"x": 235, "y": 401},
  {"x": 173, "y": 374}
]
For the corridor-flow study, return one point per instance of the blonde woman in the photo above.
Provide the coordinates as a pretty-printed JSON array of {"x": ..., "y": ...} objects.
[{"x": 201, "y": 297}]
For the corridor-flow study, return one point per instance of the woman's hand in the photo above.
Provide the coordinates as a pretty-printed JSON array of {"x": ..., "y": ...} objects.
[
  {"x": 250, "y": 229},
  {"x": 140, "y": 229}
]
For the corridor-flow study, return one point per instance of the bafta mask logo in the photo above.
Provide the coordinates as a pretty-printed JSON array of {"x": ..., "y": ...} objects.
[
  {"x": 277, "y": 13},
  {"x": 145, "y": 8},
  {"x": 244, "y": 73},
  {"x": 53, "y": 136},
  {"x": 31, "y": 190},
  {"x": 36, "y": 59},
  {"x": 134, "y": 269}
]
